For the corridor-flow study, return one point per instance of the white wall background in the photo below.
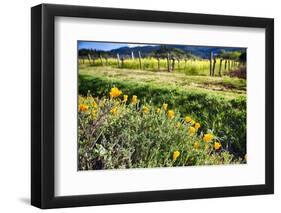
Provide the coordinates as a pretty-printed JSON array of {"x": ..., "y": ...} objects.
[{"x": 15, "y": 105}]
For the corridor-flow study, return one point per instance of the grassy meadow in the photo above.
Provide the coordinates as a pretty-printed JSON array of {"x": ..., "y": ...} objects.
[
  {"x": 190, "y": 67},
  {"x": 133, "y": 115}
]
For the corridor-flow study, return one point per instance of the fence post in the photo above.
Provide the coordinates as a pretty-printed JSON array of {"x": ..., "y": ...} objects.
[
  {"x": 133, "y": 57},
  {"x": 220, "y": 67},
  {"x": 89, "y": 58},
  {"x": 214, "y": 66},
  {"x": 168, "y": 63},
  {"x": 101, "y": 60},
  {"x": 211, "y": 58},
  {"x": 140, "y": 60},
  {"x": 118, "y": 60},
  {"x": 173, "y": 63}
]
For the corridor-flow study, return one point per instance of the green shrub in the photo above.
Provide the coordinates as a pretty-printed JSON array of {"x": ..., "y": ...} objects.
[
  {"x": 119, "y": 134},
  {"x": 225, "y": 117}
]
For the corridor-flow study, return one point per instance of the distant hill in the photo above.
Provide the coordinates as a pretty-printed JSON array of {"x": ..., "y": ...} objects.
[
  {"x": 194, "y": 51},
  {"x": 202, "y": 52}
]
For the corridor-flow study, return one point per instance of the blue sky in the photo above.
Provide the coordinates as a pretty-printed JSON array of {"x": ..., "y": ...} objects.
[{"x": 104, "y": 45}]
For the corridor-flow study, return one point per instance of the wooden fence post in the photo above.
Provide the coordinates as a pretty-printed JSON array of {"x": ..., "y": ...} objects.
[
  {"x": 101, "y": 60},
  {"x": 168, "y": 63},
  {"x": 173, "y": 63},
  {"x": 89, "y": 58},
  {"x": 178, "y": 63},
  {"x": 140, "y": 60},
  {"x": 133, "y": 57},
  {"x": 211, "y": 58},
  {"x": 220, "y": 67},
  {"x": 118, "y": 60},
  {"x": 214, "y": 66}
]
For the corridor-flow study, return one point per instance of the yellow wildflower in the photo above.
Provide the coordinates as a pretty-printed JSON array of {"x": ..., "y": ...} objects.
[
  {"x": 191, "y": 130},
  {"x": 94, "y": 113},
  {"x": 196, "y": 145},
  {"x": 158, "y": 110},
  {"x": 170, "y": 114},
  {"x": 115, "y": 92},
  {"x": 125, "y": 98},
  {"x": 208, "y": 137},
  {"x": 134, "y": 99},
  {"x": 197, "y": 125},
  {"x": 114, "y": 110},
  {"x": 94, "y": 104},
  {"x": 176, "y": 154},
  {"x": 83, "y": 107},
  {"x": 217, "y": 145},
  {"x": 187, "y": 119},
  {"x": 145, "y": 109},
  {"x": 165, "y": 106}
]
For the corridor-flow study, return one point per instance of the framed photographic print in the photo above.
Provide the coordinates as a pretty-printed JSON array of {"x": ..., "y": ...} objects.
[{"x": 139, "y": 106}]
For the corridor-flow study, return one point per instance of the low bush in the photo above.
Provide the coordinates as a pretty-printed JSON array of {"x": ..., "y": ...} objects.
[
  {"x": 225, "y": 117},
  {"x": 240, "y": 73},
  {"x": 116, "y": 131}
]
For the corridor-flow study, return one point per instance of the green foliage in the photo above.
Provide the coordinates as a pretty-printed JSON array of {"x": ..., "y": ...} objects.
[
  {"x": 231, "y": 55},
  {"x": 243, "y": 57},
  {"x": 225, "y": 117},
  {"x": 118, "y": 134},
  {"x": 189, "y": 66}
]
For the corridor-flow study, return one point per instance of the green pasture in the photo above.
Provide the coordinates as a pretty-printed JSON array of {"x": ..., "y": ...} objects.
[
  {"x": 190, "y": 67},
  {"x": 223, "y": 86},
  {"x": 218, "y": 103}
]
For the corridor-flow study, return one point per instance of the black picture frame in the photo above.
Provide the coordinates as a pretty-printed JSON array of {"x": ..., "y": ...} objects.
[{"x": 43, "y": 102}]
